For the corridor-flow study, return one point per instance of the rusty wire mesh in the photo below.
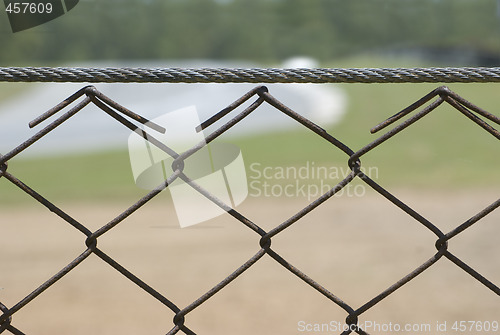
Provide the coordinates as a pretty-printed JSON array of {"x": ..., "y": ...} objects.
[{"x": 263, "y": 239}]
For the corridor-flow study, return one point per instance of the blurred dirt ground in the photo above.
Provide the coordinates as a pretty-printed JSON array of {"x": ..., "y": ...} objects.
[{"x": 356, "y": 247}]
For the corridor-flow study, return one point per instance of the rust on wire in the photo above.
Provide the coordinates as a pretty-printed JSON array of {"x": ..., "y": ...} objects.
[{"x": 263, "y": 238}]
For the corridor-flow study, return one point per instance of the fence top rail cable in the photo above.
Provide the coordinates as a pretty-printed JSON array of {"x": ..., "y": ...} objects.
[
  {"x": 251, "y": 75},
  {"x": 181, "y": 310}
]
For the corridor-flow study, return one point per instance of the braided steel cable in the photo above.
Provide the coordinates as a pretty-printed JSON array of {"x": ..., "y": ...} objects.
[
  {"x": 253, "y": 75},
  {"x": 355, "y": 312}
]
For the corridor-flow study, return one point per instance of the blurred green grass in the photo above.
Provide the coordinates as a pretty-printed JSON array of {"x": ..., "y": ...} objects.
[
  {"x": 443, "y": 150},
  {"x": 103, "y": 176}
]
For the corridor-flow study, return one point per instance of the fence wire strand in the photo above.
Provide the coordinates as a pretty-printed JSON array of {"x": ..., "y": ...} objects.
[
  {"x": 251, "y": 75},
  {"x": 125, "y": 117}
]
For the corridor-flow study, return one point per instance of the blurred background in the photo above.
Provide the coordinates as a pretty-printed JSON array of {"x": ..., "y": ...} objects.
[
  {"x": 447, "y": 32},
  {"x": 445, "y": 166}
]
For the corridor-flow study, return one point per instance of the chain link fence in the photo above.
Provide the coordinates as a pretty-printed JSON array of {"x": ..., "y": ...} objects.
[{"x": 263, "y": 239}]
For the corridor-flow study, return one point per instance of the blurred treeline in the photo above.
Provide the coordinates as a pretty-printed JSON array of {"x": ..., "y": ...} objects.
[{"x": 259, "y": 30}]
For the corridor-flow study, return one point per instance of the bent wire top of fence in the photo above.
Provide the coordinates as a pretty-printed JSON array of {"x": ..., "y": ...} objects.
[{"x": 251, "y": 75}]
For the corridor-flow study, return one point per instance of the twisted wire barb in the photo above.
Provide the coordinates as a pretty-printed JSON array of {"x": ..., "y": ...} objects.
[{"x": 255, "y": 75}]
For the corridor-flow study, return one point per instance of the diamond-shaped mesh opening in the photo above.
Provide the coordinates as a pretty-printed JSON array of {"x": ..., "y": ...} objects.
[{"x": 332, "y": 245}]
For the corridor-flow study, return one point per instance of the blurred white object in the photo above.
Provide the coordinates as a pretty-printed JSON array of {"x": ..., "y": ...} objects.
[
  {"x": 328, "y": 103},
  {"x": 300, "y": 62}
]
